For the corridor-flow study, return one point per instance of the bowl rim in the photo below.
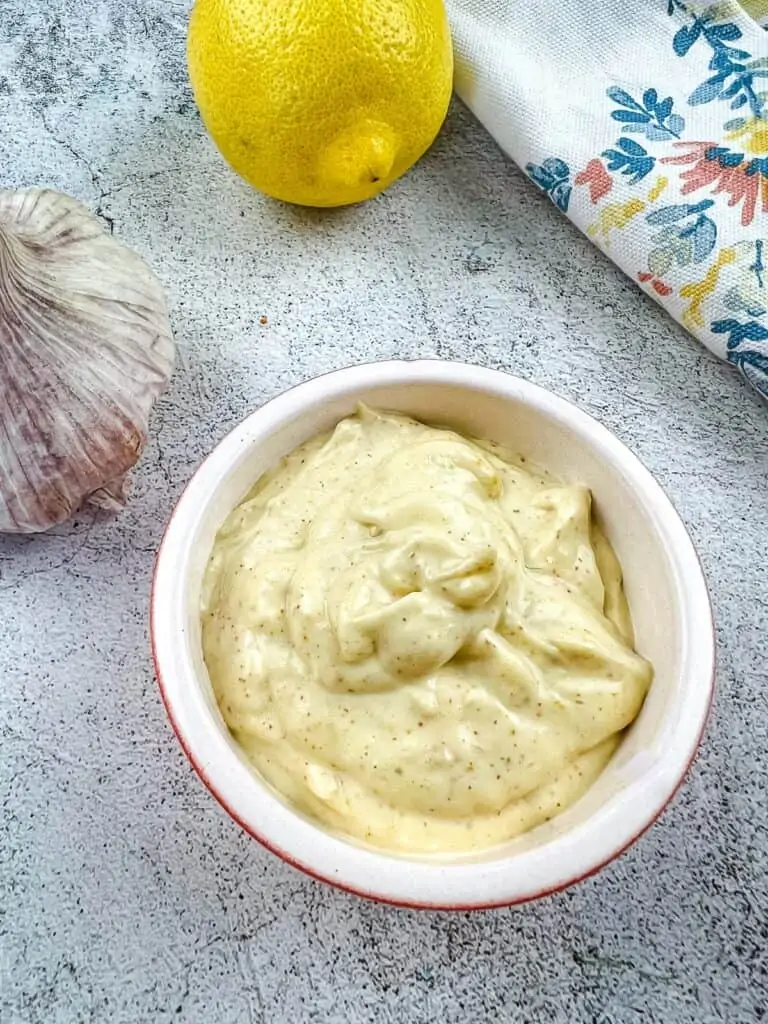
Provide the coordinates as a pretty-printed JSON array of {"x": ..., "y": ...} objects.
[{"x": 260, "y": 424}]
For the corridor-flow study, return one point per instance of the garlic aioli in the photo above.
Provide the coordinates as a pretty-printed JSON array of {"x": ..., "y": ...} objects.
[{"x": 418, "y": 640}]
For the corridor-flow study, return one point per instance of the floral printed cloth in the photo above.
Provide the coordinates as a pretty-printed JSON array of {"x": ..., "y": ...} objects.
[{"x": 646, "y": 122}]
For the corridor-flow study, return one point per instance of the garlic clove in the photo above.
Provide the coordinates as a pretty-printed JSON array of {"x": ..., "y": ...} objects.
[
  {"x": 112, "y": 496},
  {"x": 85, "y": 350}
]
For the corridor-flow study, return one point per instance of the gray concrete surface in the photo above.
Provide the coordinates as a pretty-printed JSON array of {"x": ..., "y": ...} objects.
[{"x": 126, "y": 894}]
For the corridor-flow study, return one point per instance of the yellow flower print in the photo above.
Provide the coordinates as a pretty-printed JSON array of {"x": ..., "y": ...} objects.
[
  {"x": 616, "y": 216},
  {"x": 752, "y": 135},
  {"x": 658, "y": 187},
  {"x": 697, "y": 291}
]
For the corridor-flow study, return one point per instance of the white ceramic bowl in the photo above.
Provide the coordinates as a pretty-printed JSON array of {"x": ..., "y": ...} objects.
[{"x": 664, "y": 585}]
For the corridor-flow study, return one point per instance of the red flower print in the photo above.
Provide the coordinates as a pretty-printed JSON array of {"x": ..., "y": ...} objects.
[
  {"x": 744, "y": 179},
  {"x": 656, "y": 283},
  {"x": 599, "y": 180}
]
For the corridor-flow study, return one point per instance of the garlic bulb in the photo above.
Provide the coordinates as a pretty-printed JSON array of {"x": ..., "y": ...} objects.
[{"x": 85, "y": 350}]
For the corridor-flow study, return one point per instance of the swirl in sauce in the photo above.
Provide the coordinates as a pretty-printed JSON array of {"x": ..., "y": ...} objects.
[{"x": 418, "y": 640}]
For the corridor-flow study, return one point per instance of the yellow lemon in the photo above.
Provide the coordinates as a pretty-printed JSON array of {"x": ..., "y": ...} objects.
[{"x": 321, "y": 102}]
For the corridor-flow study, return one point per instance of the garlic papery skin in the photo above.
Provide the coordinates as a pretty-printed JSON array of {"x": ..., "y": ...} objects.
[{"x": 85, "y": 350}]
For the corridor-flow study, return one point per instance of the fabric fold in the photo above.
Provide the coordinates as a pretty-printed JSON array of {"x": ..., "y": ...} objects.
[{"x": 646, "y": 123}]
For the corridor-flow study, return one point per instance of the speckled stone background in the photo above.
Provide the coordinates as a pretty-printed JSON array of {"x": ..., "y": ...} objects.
[{"x": 126, "y": 894}]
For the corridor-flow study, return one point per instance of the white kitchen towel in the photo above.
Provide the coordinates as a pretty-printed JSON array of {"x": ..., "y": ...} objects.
[{"x": 646, "y": 122}]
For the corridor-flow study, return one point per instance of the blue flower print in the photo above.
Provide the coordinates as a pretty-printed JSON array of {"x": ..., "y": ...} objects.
[
  {"x": 652, "y": 117},
  {"x": 735, "y": 73},
  {"x": 629, "y": 158},
  {"x": 748, "y": 295},
  {"x": 687, "y": 236},
  {"x": 553, "y": 176},
  {"x": 704, "y": 25},
  {"x": 747, "y": 350}
]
